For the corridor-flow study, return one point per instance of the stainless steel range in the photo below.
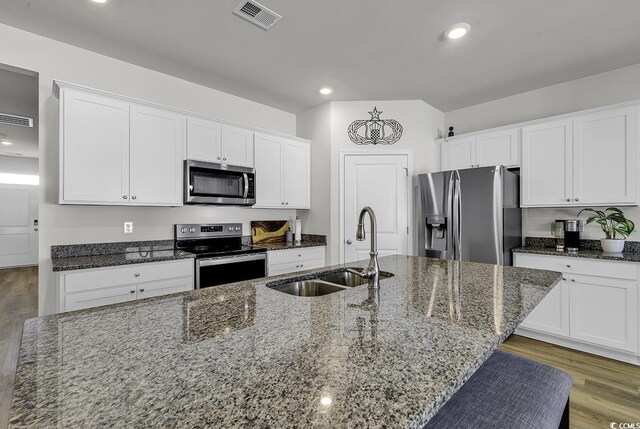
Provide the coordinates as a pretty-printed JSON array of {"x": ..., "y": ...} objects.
[{"x": 221, "y": 257}]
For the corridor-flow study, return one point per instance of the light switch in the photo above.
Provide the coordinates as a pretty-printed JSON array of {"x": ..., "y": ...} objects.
[{"x": 128, "y": 227}]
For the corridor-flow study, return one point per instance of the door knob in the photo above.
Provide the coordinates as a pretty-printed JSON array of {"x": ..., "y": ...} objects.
[{"x": 349, "y": 242}]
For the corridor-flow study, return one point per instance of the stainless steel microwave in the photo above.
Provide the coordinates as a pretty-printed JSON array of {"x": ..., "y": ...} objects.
[{"x": 211, "y": 183}]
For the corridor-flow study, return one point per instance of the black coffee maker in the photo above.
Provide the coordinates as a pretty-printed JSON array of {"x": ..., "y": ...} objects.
[{"x": 572, "y": 230}]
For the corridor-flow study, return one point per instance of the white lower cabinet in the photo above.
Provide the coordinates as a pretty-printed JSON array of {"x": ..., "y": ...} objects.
[
  {"x": 294, "y": 260},
  {"x": 594, "y": 309},
  {"x": 80, "y": 289}
]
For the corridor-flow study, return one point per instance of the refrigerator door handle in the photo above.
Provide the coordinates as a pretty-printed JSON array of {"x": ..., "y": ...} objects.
[
  {"x": 451, "y": 229},
  {"x": 457, "y": 222}
]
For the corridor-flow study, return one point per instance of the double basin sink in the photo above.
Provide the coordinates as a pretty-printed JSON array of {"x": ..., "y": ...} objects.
[{"x": 324, "y": 284}]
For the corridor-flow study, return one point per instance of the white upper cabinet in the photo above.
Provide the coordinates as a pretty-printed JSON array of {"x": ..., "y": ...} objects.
[
  {"x": 459, "y": 153},
  {"x": 204, "y": 140},
  {"x": 237, "y": 146},
  {"x": 94, "y": 156},
  {"x": 115, "y": 152},
  {"x": 212, "y": 141},
  {"x": 497, "y": 148},
  {"x": 491, "y": 148},
  {"x": 546, "y": 174},
  {"x": 157, "y": 142},
  {"x": 283, "y": 173},
  {"x": 605, "y": 157},
  {"x": 297, "y": 186},
  {"x": 269, "y": 171},
  {"x": 588, "y": 159}
]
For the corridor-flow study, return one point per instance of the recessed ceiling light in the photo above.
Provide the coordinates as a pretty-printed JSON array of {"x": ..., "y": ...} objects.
[
  {"x": 326, "y": 90},
  {"x": 457, "y": 31},
  {"x": 6, "y": 142},
  {"x": 100, "y": 1}
]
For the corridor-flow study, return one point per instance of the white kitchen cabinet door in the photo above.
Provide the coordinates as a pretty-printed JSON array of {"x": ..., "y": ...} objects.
[
  {"x": 94, "y": 151},
  {"x": 204, "y": 140},
  {"x": 547, "y": 164},
  {"x": 164, "y": 287},
  {"x": 297, "y": 186},
  {"x": 552, "y": 314},
  {"x": 605, "y": 157},
  {"x": 604, "y": 312},
  {"x": 157, "y": 150},
  {"x": 237, "y": 146},
  {"x": 497, "y": 148},
  {"x": 269, "y": 171},
  {"x": 458, "y": 153}
]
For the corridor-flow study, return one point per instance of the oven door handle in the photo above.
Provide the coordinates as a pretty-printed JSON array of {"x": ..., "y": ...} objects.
[
  {"x": 229, "y": 260},
  {"x": 246, "y": 185}
]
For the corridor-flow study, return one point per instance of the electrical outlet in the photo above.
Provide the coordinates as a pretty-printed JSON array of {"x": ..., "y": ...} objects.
[{"x": 128, "y": 227}]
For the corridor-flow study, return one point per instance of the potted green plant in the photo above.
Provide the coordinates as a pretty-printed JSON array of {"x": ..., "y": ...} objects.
[{"x": 613, "y": 224}]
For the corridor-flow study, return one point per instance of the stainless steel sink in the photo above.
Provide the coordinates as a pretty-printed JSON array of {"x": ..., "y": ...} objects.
[
  {"x": 308, "y": 288},
  {"x": 348, "y": 279}
]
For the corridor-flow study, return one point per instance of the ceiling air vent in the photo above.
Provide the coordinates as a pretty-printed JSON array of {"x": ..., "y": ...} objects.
[
  {"x": 254, "y": 12},
  {"x": 22, "y": 121}
]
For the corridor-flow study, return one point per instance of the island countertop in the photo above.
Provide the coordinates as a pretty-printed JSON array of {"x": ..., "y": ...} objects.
[{"x": 245, "y": 355}]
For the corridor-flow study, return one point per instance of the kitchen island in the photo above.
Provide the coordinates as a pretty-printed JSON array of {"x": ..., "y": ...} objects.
[{"x": 245, "y": 355}]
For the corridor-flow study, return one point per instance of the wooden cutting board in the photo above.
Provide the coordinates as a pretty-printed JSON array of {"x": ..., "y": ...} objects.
[{"x": 269, "y": 231}]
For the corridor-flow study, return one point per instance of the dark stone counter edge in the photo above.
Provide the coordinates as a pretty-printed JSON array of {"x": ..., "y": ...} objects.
[{"x": 588, "y": 254}]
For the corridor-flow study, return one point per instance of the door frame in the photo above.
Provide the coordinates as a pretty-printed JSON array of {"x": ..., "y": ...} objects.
[{"x": 343, "y": 153}]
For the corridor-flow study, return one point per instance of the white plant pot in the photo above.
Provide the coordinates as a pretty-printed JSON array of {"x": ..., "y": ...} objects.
[{"x": 612, "y": 246}]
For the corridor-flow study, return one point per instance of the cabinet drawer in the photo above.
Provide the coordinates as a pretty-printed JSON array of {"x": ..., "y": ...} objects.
[
  {"x": 295, "y": 255},
  {"x": 95, "y": 298},
  {"x": 84, "y": 280},
  {"x": 588, "y": 267},
  {"x": 294, "y": 267},
  {"x": 164, "y": 287}
]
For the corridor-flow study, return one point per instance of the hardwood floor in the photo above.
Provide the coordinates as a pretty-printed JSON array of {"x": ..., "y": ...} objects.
[
  {"x": 604, "y": 390},
  {"x": 18, "y": 302}
]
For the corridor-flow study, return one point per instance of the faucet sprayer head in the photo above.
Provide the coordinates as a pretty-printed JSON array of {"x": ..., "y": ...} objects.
[{"x": 360, "y": 236}]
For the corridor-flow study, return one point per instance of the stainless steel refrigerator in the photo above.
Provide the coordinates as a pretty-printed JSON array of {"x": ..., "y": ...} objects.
[{"x": 470, "y": 215}]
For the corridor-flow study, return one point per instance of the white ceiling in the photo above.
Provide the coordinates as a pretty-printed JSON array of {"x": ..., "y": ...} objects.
[
  {"x": 19, "y": 96},
  {"x": 364, "y": 49}
]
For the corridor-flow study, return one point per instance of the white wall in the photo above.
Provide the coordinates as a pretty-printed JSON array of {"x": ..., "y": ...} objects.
[
  {"x": 18, "y": 164},
  {"x": 593, "y": 91},
  {"x": 421, "y": 124},
  {"x": 78, "y": 224}
]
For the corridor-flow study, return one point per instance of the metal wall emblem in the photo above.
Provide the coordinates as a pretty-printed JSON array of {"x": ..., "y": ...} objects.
[{"x": 375, "y": 130}]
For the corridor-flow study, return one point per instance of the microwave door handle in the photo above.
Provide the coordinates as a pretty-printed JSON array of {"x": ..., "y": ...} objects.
[{"x": 246, "y": 185}]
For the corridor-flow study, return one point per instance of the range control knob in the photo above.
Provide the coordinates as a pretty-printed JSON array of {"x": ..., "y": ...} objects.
[
  {"x": 230, "y": 228},
  {"x": 192, "y": 229},
  {"x": 183, "y": 230}
]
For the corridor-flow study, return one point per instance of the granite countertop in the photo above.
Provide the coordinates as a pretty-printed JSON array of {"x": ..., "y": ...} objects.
[
  {"x": 245, "y": 355},
  {"x": 112, "y": 260},
  {"x": 593, "y": 254}
]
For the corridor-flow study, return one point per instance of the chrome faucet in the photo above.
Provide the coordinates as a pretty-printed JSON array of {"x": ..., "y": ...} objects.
[{"x": 372, "y": 272}]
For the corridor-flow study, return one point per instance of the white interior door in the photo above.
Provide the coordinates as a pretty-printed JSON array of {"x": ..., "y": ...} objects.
[
  {"x": 18, "y": 225},
  {"x": 381, "y": 182}
]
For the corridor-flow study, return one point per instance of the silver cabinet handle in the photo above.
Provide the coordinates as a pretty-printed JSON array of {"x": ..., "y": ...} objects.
[
  {"x": 573, "y": 280},
  {"x": 349, "y": 242},
  {"x": 219, "y": 158},
  {"x": 282, "y": 203},
  {"x": 142, "y": 290},
  {"x": 124, "y": 197},
  {"x": 577, "y": 199},
  {"x": 301, "y": 265},
  {"x": 568, "y": 266},
  {"x": 224, "y": 159},
  {"x": 137, "y": 274},
  {"x": 564, "y": 279},
  {"x": 299, "y": 256},
  {"x": 287, "y": 203},
  {"x": 132, "y": 291},
  {"x": 133, "y": 198},
  {"x": 568, "y": 199}
]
